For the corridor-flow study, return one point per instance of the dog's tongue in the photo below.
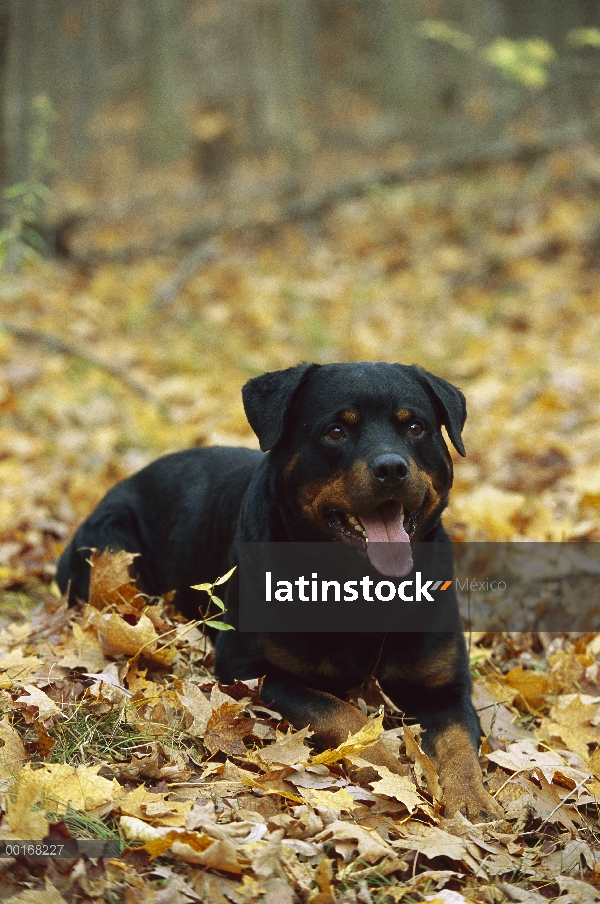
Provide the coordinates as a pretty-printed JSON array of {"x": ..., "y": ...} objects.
[{"x": 388, "y": 548}]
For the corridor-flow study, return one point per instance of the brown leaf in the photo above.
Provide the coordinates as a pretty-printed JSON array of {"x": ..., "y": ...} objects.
[
  {"x": 287, "y": 750},
  {"x": 423, "y": 764},
  {"x": 225, "y": 730},
  {"x": 573, "y": 726},
  {"x": 531, "y": 685},
  {"x": 109, "y": 574}
]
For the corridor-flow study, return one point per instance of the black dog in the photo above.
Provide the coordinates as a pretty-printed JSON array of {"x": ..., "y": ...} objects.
[{"x": 355, "y": 453}]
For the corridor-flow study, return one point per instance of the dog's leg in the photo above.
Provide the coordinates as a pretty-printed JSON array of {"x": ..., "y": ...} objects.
[
  {"x": 451, "y": 739},
  {"x": 449, "y": 742},
  {"x": 331, "y": 719}
]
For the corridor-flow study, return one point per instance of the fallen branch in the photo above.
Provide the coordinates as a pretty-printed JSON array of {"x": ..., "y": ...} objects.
[
  {"x": 201, "y": 254},
  {"x": 310, "y": 207},
  {"x": 274, "y": 214},
  {"x": 55, "y": 343}
]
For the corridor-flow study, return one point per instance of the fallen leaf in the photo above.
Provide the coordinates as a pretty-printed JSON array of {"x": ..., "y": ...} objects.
[
  {"x": 120, "y": 639},
  {"x": 287, "y": 750},
  {"x": 347, "y": 838},
  {"x": 12, "y": 752},
  {"x": 109, "y": 573},
  {"x": 572, "y": 726},
  {"x": 225, "y": 730},
  {"x": 37, "y": 700},
  {"x": 60, "y": 786},
  {"x": 365, "y": 737},
  {"x": 334, "y": 800},
  {"x": 423, "y": 764},
  {"x": 398, "y": 787}
]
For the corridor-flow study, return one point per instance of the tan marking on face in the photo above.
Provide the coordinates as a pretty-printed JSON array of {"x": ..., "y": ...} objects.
[
  {"x": 432, "y": 495},
  {"x": 341, "y": 492},
  {"x": 403, "y": 415},
  {"x": 287, "y": 471},
  {"x": 349, "y": 416}
]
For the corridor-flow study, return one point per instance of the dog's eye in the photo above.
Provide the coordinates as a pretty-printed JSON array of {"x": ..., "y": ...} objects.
[
  {"x": 416, "y": 428},
  {"x": 335, "y": 433}
]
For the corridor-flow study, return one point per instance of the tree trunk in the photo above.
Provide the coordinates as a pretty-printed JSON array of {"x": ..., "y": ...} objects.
[
  {"x": 4, "y": 32},
  {"x": 407, "y": 83}
]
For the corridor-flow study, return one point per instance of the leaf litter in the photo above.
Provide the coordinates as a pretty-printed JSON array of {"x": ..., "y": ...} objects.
[{"x": 111, "y": 722}]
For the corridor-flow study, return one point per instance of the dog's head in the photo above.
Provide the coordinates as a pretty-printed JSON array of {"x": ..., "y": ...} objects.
[{"x": 358, "y": 452}]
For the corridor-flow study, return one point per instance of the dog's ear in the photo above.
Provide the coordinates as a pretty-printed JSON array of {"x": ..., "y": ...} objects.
[
  {"x": 449, "y": 403},
  {"x": 267, "y": 399}
]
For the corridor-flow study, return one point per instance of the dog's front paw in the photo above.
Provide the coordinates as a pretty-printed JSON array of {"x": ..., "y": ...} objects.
[{"x": 473, "y": 802}]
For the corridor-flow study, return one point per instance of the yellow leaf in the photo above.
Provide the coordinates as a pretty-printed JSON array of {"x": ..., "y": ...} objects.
[
  {"x": 399, "y": 787},
  {"x": 367, "y": 736},
  {"x": 59, "y": 785},
  {"x": 23, "y": 820},
  {"x": 532, "y": 685},
  {"x": 118, "y": 638},
  {"x": 12, "y": 753},
  {"x": 335, "y": 800}
]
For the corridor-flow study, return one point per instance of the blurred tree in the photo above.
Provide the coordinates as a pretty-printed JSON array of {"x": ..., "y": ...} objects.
[
  {"x": 163, "y": 134},
  {"x": 145, "y": 81},
  {"x": 4, "y": 27},
  {"x": 405, "y": 75},
  {"x": 279, "y": 36}
]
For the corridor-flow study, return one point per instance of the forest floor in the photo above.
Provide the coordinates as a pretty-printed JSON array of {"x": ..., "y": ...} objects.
[{"x": 112, "y": 725}]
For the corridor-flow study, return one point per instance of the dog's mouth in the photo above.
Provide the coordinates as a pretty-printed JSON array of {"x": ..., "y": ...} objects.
[{"x": 384, "y": 534}]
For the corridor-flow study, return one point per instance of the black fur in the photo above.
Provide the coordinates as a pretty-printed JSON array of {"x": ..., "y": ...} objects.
[{"x": 186, "y": 513}]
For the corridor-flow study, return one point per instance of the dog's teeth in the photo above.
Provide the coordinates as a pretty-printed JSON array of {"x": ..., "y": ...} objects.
[{"x": 352, "y": 519}]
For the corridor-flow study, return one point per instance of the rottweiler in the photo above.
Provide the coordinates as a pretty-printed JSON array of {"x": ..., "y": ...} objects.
[{"x": 352, "y": 453}]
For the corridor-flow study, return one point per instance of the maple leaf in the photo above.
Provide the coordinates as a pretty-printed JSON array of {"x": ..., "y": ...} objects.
[
  {"x": 120, "y": 638},
  {"x": 398, "y": 787},
  {"x": 348, "y": 838},
  {"x": 572, "y": 725},
  {"x": 195, "y": 703},
  {"x": 226, "y": 729},
  {"x": 531, "y": 685},
  {"x": 38, "y": 700},
  {"x": 12, "y": 752},
  {"x": 432, "y": 842},
  {"x": 110, "y": 578},
  {"x": 61, "y": 785},
  {"x": 287, "y": 750},
  {"x": 335, "y": 800},
  {"x": 365, "y": 737},
  {"x": 523, "y": 756},
  {"x": 153, "y": 807}
]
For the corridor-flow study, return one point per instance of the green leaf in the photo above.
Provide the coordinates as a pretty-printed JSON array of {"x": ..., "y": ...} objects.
[
  {"x": 584, "y": 37},
  {"x": 220, "y": 625},
  {"x": 225, "y": 576},
  {"x": 445, "y": 33},
  {"x": 218, "y": 603},
  {"x": 15, "y": 191}
]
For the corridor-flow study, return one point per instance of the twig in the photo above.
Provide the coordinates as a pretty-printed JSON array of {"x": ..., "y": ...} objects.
[
  {"x": 199, "y": 255},
  {"x": 274, "y": 214},
  {"x": 50, "y": 340}
]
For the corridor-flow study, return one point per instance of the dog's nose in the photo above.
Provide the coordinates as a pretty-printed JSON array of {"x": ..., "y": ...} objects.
[{"x": 389, "y": 469}]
